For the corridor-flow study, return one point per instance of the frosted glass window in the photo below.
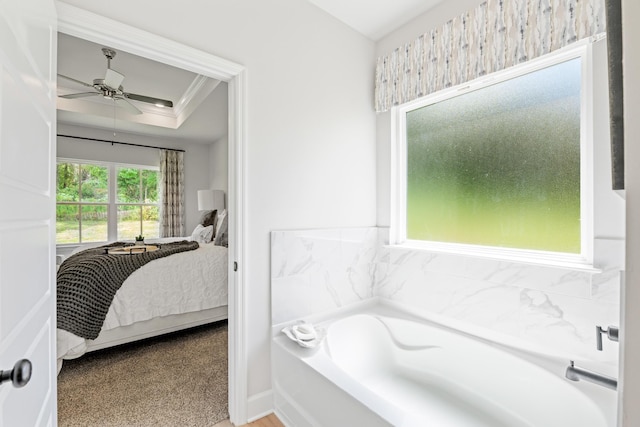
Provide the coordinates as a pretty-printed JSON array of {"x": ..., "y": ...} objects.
[{"x": 499, "y": 166}]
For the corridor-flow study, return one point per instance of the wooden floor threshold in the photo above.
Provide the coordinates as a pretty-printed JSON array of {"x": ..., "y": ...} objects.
[{"x": 269, "y": 421}]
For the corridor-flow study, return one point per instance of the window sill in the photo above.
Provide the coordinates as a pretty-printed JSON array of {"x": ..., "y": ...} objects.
[
  {"x": 77, "y": 245},
  {"x": 69, "y": 248},
  {"x": 495, "y": 254}
]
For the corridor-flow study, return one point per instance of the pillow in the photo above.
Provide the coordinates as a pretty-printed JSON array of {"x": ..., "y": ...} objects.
[
  {"x": 202, "y": 234},
  {"x": 221, "y": 230},
  {"x": 210, "y": 218}
]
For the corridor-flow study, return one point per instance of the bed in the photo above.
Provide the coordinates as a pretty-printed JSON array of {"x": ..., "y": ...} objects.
[{"x": 167, "y": 294}]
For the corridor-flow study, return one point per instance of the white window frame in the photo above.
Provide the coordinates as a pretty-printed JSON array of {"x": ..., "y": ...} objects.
[
  {"x": 112, "y": 204},
  {"x": 583, "y": 260}
]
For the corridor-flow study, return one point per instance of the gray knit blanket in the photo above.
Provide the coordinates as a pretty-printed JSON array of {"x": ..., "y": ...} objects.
[{"x": 88, "y": 281}]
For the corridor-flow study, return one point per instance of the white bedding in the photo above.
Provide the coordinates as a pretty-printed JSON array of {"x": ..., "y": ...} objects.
[{"x": 181, "y": 283}]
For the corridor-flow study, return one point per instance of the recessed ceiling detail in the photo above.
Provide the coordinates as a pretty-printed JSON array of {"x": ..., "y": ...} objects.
[
  {"x": 89, "y": 95},
  {"x": 148, "y": 114}
]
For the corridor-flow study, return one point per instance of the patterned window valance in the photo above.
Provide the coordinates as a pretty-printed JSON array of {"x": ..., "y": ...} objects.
[{"x": 495, "y": 35}]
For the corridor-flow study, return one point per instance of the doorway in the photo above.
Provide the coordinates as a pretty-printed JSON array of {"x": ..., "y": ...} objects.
[{"x": 78, "y": 23}]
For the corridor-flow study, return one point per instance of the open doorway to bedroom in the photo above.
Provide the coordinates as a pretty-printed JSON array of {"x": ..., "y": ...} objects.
[
  {"x": 228, "y": 146},
  {"x": 110, "y": 191}
]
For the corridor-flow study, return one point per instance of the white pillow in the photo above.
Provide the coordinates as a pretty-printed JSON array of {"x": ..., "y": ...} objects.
[
  {"x": 221, "y": 230},
  {"x": 202, "y": 234}
]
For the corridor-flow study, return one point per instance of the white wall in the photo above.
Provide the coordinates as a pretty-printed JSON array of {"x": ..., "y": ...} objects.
[
  {"x": 311, "y": 126},
  {"x": 196, "y": 159},
  {"x": 218, "y": 163},
  {"x": 630, "y": 387},
  {"x": 433, "y": 18},
  {"x": 219, "y": 148}
]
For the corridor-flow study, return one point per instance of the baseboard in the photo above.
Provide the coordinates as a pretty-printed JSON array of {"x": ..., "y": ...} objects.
[
  {"x": 289, "y": 412},
  {"x": 259, "y": 405}
]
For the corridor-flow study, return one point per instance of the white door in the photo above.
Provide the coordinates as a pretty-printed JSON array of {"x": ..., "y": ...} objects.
[{"x": 27, "y": 205}]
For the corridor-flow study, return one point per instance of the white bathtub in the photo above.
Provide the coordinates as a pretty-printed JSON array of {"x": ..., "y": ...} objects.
[{"x": 381, "y": 368}]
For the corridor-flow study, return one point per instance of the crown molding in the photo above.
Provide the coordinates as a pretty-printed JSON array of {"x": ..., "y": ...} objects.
[{"x": 196, "y": 93}]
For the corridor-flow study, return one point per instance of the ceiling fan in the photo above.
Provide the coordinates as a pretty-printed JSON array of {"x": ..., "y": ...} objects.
[{"x": 111, "y": 88}]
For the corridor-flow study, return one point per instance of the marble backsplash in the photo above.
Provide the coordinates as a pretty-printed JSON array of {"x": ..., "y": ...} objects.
[{"x": 317, "y": 271}]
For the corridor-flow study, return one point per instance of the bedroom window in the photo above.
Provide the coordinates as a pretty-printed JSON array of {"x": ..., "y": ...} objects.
[
  {"x": 137, "y": 202},
  {"x": 100, "y": 202},
  {"x": 82, "y": 203},
  {"x": 498, "y": 166}
]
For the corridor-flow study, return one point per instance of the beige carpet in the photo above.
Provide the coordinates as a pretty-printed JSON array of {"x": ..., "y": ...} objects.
[{"x": 176, "y": 380}]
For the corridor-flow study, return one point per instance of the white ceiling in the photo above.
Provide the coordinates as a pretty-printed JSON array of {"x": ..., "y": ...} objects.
[
  {"x": 200, "y": 112},
  {"x": 375, "y": 18}
]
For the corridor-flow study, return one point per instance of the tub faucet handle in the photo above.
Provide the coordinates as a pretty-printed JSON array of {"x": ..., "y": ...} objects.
[{"x": 612, "y": 333}]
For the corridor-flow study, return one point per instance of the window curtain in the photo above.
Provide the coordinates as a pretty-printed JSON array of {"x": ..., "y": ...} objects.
[
  {"x": 495, "y": 35},
  {"x": 171, "y": 193}
]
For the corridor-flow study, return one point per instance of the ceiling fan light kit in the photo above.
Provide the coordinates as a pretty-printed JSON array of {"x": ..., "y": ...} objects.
[{"x": 110, "y": 87}]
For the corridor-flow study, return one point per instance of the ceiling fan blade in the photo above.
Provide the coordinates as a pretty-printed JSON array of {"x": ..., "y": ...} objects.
[
  {"x": 155, "y": 101},
  {"x": 122, "y": 102},
  {"x": 74, "y": 80},
  {"x": 79, "y": 95},
  {"x": 113, "y": 79}
]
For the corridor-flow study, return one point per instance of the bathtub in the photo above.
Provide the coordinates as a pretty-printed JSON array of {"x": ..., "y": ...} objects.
[{"x": 380, "y": 367}]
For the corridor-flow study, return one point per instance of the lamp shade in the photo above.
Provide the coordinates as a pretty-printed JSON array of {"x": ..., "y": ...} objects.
[{"x": 209, "y": 200}]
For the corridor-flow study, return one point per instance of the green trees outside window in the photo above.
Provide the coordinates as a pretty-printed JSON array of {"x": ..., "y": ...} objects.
[
  {"x": 84, "y": 202},
  {"x": 137, "y": 201},
  {"x": 82, "y": 195}
]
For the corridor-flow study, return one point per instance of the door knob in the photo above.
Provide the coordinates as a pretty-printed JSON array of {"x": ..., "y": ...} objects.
[{"x": 19, "y": 375}]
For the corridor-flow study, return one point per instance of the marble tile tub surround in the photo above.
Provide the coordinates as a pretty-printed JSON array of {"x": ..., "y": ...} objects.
[
  {"x": 316, "y": 271},
  {"x": 553, "y": 309}
]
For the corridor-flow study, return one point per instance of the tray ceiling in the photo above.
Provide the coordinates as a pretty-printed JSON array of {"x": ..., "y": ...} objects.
[{"x": 199, "y": 113}]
